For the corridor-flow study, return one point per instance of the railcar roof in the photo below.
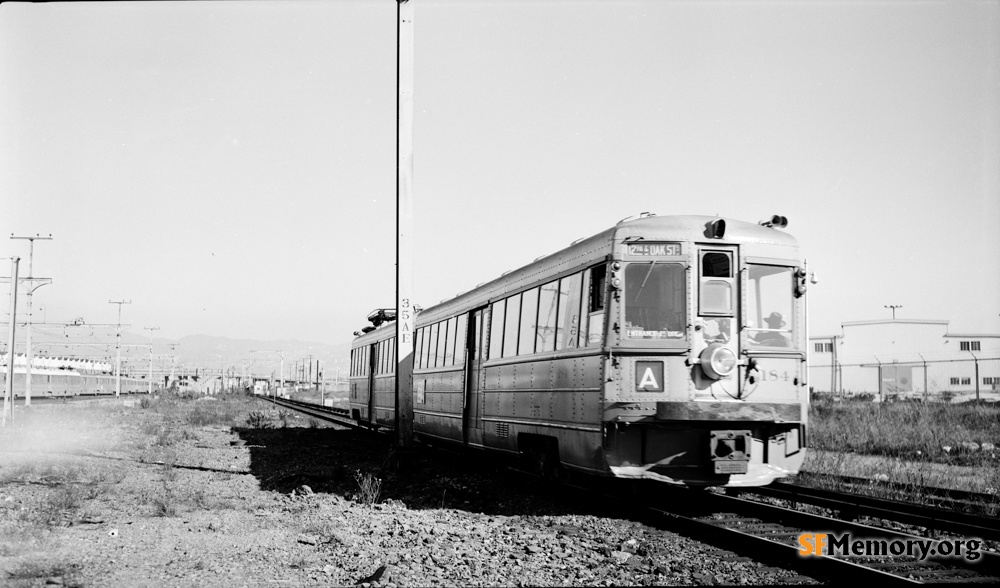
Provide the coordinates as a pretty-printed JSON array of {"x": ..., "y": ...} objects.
[{"x": 645, "y": 228}]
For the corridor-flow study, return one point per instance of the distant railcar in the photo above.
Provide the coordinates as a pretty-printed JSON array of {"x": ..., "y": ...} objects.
[
  {"x": 666, "y": 348},
  {"x": 53, "y": 383}
]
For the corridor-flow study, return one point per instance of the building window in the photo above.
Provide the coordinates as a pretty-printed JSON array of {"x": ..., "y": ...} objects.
[
  {"x": 824, "y": 347},
  {"x": 954, "y": 381},
  {"x": 988, "y": 381},
  {"x": 966, "y": 381},
  {"x": 968, "y": 345}
]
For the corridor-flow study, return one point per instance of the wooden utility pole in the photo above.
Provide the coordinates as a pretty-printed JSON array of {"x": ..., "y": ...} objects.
[{"x": 405, "y": 319}]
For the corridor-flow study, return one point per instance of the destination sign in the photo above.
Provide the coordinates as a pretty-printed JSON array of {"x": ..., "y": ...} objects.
[{"x": 654, "y": 249}]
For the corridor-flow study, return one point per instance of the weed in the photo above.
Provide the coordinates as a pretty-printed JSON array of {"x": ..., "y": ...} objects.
[
  {"x": 258, "y": 420},
  {"x": 145, "y": 402},
  {"x": 163, "y": 506},
  {"x": 369, "y": 488},
  {"x": 168, "y": 470},
  {"x": 313, "y": 423}
]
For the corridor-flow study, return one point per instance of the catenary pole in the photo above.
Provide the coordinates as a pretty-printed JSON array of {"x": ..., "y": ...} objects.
[
  {"x": 151, "y": 329},
  {"x": 405, "y": 320},
  {"x": 31, "y": 289},
  {"x": 118, "y": 347},
  {"x": 8, "y": 396}
]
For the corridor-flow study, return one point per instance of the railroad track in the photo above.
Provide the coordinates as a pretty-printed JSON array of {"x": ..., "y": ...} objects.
[
  {"x": 773, "y": 534},
  {"x": 339, "y": 416},
  {"x": 942, "y": 497},
  {"x": 851, "y": 506}
]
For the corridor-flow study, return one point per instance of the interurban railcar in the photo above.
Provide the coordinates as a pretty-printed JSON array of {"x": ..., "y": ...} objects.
[
  {"x": 670, "y": 348},
  {"x": 50, "y": 383}
]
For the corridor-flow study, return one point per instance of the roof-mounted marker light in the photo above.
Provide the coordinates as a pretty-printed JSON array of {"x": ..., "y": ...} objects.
[
  {"x": 715, "y": 229},
  {"x": 776, "y": 221}
]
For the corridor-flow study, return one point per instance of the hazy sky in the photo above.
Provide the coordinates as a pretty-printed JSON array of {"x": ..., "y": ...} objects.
[{"x": 229, "y": 167}]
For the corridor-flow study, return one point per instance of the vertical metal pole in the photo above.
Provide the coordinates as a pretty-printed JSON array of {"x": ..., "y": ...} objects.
[
  {"x": 8, "y": 396},
  {"x": 118, "y": 347},
  {"x": 151, "y": 329},
  {"x": 925, "y": 375},
  {"x": 833, "y": 368},
  {"x": 31, "y": 289},
  {"x": 27, "y": 342},
  {"x": 976, "y": 359},
  {"x": 405, "y": 319}
]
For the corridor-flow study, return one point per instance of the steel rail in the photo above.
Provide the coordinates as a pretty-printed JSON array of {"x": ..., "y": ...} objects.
[
  {"x": 340, "y": 416},
  {"x": 727, "y": 512},
  {"x": 935, "y": 491},
  {"x": 853, "y": 505}
]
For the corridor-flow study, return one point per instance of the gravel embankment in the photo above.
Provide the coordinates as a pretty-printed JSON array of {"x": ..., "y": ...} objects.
[{"x": 127, "y": 496}]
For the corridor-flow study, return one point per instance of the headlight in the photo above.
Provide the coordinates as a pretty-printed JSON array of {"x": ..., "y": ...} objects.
[{"x": 717, "y": 361}]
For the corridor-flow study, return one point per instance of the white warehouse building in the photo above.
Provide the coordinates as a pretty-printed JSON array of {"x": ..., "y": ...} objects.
[{"x": 904, "y": 358}]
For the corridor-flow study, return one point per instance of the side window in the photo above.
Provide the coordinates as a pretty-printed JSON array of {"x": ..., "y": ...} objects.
[
  {"x": 496, "y": 329},
  {"x": 568, "y": 325},
  {"x": 449, "y": 342},
  {"x": 460, "y": 337},
  {"x": 510, "y": 327},
  {"x": 426, "y": 349},
  {"x": 597, "y": 287},
  {"x": 595, "y": 318},
  {"x": 418, "y": 340},
  {"x": 548, "y": 300},
  {"x": 529, "y": 320},
  {"x": 434, "y": 350}
]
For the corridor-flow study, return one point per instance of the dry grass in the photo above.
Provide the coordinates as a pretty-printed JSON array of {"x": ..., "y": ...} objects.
[
  {"x": 905, "y": 447},
  {"x": 926, "y": 432}
]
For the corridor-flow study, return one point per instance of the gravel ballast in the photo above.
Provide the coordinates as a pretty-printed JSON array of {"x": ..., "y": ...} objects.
[{"x": 146, "y": 493}]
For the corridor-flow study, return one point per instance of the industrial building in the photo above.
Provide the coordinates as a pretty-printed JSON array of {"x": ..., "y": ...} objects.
[{"x": 904, "y": 358}]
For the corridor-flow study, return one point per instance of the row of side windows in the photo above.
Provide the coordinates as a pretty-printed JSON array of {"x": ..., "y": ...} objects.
[
  {"x": 563, "y": 314},
  {"x": 988, "y": 380},
  {"x": 968, "y": 346},
  {"x": 385, "y": 358},
  {"x": 359, "y": 361},
  {"x": 441, "y": 344}
]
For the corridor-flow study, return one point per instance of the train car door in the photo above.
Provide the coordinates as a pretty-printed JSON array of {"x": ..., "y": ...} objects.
[
  {"x": 718, "y": 304},
  {"x": 472, "y": 411},
  {"x": 372, "y": 362}
]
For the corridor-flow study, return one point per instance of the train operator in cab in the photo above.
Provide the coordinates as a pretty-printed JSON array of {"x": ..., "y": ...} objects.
[{"x": 772, "y": 337}]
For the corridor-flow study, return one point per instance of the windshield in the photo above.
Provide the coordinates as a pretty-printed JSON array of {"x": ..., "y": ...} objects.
[
  {"x": 769, "y": 306},
  {"x": 655, "y": 300}
]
